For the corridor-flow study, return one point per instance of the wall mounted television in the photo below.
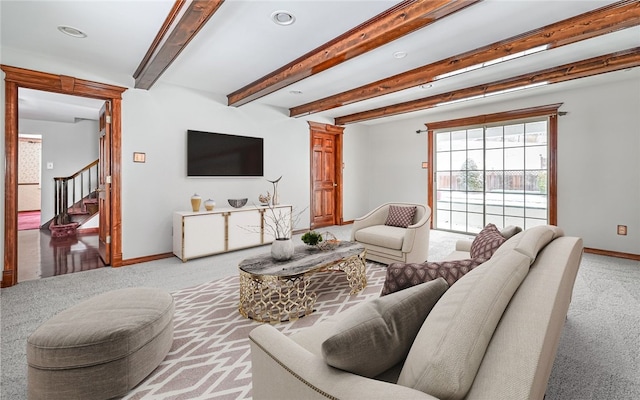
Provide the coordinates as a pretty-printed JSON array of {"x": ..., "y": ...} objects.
[{"x": 218, "y": 154}]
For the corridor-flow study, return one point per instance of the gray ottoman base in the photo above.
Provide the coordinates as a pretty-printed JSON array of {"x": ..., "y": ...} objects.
[{"x": 101, "y": 348}]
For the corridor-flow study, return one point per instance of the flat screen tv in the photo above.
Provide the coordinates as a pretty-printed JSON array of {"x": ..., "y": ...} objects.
[{"x": 217, "y": 154}]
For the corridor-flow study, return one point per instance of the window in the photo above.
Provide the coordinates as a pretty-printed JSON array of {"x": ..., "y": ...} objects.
[{"x": 498, "y": 172}]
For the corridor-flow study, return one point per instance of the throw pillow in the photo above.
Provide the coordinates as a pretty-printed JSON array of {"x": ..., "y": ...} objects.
[
  {"x": 448, "y": 350},
  {"x": 400, "y": 216},
  {"x": 487, "y": 242},
  {"x": 376, "y": 335},
  {"x": 401, "y": 276}
]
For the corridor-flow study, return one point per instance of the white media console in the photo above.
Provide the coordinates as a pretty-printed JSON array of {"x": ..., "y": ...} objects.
[{"x": 203, "y": 233}]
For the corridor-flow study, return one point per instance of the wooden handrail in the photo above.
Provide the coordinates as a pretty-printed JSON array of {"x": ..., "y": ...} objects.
[
  {"x": 93, "y": 164},
  {"x": 61, "y": 195}
]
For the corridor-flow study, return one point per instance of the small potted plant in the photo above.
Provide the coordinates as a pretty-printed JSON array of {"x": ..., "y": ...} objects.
[{"x": 312, "y": 238}]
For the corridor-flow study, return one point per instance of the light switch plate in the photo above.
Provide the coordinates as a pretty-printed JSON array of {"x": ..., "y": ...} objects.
[{"x": 622, "y": 229}]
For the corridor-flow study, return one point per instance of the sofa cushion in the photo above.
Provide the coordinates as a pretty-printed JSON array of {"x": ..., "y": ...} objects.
[
  {"x": 390, "y": 237},
  {"x": 449, "y": 348},
  {"x": 400, "y": 216},
  {"x": 508, "y": 231},
  {"x": 376, "y": 335},
  {"x": 402, "y": 275},
  {"x": 535, "y": 239},
  {"x": 531, "y": 241},
  {"x": 487, "y": 242},
  {"x": 509, "y": 245}
]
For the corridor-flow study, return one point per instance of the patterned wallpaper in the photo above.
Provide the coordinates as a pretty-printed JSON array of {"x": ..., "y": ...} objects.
[{"x": 29, "y": 156}]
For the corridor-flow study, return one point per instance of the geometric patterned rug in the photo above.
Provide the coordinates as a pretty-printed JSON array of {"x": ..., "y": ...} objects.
[{"x": 210, "y": 356}]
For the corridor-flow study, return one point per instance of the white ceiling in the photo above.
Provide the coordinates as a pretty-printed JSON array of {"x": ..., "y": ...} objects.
[
  {"x": 240, "y": 44},
  {"x": 47, "y": 106}
]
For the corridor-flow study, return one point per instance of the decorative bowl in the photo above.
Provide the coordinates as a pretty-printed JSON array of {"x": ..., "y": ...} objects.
[
  {"x": 329, "y": 241},
  {"x": 237, "y": 203}
]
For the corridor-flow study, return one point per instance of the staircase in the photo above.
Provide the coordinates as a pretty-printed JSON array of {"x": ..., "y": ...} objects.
[{"x": 76, "y": 201}]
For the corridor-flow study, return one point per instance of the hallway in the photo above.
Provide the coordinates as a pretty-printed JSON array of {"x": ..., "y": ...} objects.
[{"x": 40, "y": 256}]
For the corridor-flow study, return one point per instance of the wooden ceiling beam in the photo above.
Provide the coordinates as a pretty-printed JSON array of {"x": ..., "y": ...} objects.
[
  {"x": 169, "y": 42},
  {"x": 400, "y": 20},
  {"x": 164, "y": 30},
  {"x": 616, "y": 16},
  {"x": 581, "y": 69}
]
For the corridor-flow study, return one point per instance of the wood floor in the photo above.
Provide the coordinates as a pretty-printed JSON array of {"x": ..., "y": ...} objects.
[{"x": 40, "y": 256}]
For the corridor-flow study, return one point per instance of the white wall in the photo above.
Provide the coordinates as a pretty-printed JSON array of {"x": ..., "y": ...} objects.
[
  {"x": 69, "y": 146},
  {"x": 395, "y": 164},
  {"x": 598, "y": 163},
  {"x": 356, "y": 157},
  {"x": 155, "y": 122}
]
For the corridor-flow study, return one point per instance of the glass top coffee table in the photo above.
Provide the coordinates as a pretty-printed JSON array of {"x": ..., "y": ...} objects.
[{"x": 274, "y": 291}]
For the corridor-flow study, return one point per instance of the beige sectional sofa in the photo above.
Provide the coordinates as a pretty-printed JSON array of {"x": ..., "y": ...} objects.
[{"x": 491, "y": 335}]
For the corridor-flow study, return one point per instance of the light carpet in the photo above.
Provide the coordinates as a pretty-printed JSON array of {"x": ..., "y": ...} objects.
[
  {"x": 598, "y": 356},
  {"x": 210, "y": 357}
]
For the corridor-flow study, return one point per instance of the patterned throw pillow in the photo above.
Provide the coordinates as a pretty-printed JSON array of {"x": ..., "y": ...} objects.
[
  {"x": 487, "y": 242},
  {"x": 401, "y": 276},
  {"x": 400, "y": 216}
]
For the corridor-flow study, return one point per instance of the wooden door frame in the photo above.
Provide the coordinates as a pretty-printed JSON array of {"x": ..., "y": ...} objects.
[
  {"x": 16, "y": 78},
  {"x": 550, "y": 111},
  {"x": 337, "y": 131},
  {"x": 104, "y": 187}
]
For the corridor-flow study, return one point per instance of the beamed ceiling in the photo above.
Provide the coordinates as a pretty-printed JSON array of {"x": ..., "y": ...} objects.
[{"x": 338, "y": 59}]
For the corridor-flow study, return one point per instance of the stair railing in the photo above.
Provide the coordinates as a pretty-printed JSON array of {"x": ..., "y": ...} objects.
[{"x": 71, "y": 190}]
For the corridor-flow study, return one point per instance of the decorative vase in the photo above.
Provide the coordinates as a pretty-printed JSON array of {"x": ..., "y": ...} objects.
[
  {"x": 195, "y": 202},
  {"x": 282, "y": 249},
  {"x": 274, "y": 199},
  {"x": 209, "y": 204}
]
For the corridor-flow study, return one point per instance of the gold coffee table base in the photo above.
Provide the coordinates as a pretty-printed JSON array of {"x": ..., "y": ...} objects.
[{"x": 276, "y": 298}]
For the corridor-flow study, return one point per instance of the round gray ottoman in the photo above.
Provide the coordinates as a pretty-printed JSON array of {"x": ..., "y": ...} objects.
[{"x": 102, "y": 347}]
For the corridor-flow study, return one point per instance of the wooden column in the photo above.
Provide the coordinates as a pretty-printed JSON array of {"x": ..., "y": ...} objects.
[{"x": 10, "y": 273}]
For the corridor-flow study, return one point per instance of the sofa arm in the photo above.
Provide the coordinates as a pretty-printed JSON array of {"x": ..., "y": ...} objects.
[
  {"x": 463, "y": 245},
  {"x": 377, "y": 216},
  {"x": 282, "y": 369},
  {"x": 417, "y": 229}
]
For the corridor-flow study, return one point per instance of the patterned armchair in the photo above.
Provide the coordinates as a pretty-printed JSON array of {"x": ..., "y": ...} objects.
[{"x": 395, "y": 232}]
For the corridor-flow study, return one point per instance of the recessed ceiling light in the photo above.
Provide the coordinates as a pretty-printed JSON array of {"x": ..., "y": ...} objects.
[
  {"x": 400, "y": 54},
  {"x": 426, "y": 86},
  {"x": 71, "y": 31},
  {"x": 283, "y": 17}
]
